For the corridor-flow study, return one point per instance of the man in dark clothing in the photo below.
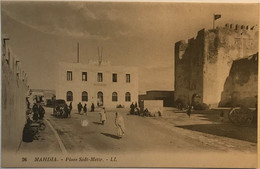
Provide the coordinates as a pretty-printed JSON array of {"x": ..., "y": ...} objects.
[
  {"x": 79, "y": 107},
  {"x": 34, "y": 108},
  {"x": 66, "y": 111},
  {"x": 136, "y": 105},
  {"x": 57, "y": 109},
  {"x": 41, "y": 112},
  {"x": 132, "y": 108},
  {"x": 70, "y": 106},
  {"x": 35, "y": 112},
  {"x": 35, "y": 115},
  {"x": 189, "y": 111},
  {"x": 85, "y": 109},
  {"x": 27, "y": 103},
  {"x": 38, "y": 111},
  {"x": 28, "y": 132},
  {"x": 92, "y": 107}
]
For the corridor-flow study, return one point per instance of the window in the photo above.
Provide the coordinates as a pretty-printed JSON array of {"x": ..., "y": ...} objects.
[
  {"x": 127, "y": 78},
  {"x": 84, "y": 76},
  {"x": 100, "y": 77},
  {"x": 69, "y": 75},
  {"x": 114, "y": 96},
  {"x": 114, "y": 77},
  {"x": 84, "y": 96},
  {"x": 127, "y": 97},
  {"x": 69, "y": 96}
]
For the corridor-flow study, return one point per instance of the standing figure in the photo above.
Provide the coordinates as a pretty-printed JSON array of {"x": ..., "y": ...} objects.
[
  {"x": 70, "y": 106},
  {"x": 132, "y": 108},
  {"x": 28, "y": 132},
  {"x": 103, "y": 117},
  {"x": 66, "y": 111},
  {"x": 85, "y": 109},
  {"x": 136, "y": 105},
  {"x": 35, "y": 116},
  {"x": 120, "y": 125},
  {"x": 189, "y": 111},
  {"x": 35, "y": 112},
  {"x": 27, "y": 103},
  {"x": 34, "y": 108},
  {"x": 41, "y": 111},
  {"x": 92, "y": 107},
  {"x": 79, "y": 107},
  {"x": 70, "y": 109}
]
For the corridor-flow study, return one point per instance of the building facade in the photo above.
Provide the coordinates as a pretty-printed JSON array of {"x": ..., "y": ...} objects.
[
  {"x": 203, "y": 64},
  {"x": 97, "y": 82}
]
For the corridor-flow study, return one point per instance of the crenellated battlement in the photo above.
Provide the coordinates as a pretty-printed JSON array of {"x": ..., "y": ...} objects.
[{"x": 241, "y": 27}]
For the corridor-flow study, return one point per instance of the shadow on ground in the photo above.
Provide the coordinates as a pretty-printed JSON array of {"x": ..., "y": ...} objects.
[
  {"x": 98, "y": 123},
  {"x": 110, "y": 135},
  {"x": 225, "y": 130}
]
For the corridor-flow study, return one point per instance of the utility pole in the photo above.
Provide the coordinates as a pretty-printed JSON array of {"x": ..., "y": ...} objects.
[
  {"x": 213, "y": 21},
  {"x": 78, "y": 52}
]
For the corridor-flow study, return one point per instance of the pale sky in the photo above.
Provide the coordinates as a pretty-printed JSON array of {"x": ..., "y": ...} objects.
[{"x": 131, "y": 34}]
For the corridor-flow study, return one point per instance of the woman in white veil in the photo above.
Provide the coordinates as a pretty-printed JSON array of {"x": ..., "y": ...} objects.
[{"x": 119, "y": 122}]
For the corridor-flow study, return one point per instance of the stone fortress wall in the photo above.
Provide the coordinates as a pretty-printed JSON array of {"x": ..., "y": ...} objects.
[{"x": 203, "y": 64}]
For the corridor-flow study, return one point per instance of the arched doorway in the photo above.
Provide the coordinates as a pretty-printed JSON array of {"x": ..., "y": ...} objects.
[
  {"x": 196, "y": 99},
  {"x": 100, "y": 101}
]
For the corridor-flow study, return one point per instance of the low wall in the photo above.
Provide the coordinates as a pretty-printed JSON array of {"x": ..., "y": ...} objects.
[
  {"x": 166, "y": 96},
  {"x": 154, "y": 106}
]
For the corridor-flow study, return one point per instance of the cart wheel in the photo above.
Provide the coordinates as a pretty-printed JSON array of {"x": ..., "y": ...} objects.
[{"x": 241, "y": 116}]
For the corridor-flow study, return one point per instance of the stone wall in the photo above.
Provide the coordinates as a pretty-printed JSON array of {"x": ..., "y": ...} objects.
[
  {"x": 14, "y": 91},
  {"x": 222, "y": 47},
  {"x": 203, "y": 64},
  {"x": 241, "y": 85}
]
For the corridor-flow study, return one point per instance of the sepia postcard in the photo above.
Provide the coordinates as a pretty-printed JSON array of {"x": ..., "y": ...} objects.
[{"x": 129, "y": 84}]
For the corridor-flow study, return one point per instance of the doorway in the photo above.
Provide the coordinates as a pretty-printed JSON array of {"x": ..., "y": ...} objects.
[{"x": 100, "y": 101}]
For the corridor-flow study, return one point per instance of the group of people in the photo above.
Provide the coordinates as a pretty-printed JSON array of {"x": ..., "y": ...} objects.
[
  {"x": 134, "y": 110},
  {"x": 32, "y": 126},
  {"x": 38, "y": 112},
  {"x": 63, "y": 111},
  {"x": 85, "y": 109},
  {"x": 119, "y": 122}
]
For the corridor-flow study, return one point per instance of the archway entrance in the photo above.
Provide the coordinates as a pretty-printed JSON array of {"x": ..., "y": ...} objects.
[
  {"x": 100, "y": 101},
  {"x": 196, "y": 99}
]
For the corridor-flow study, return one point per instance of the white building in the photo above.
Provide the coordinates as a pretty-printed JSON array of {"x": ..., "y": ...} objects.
[{"x": 101, "y": 84}]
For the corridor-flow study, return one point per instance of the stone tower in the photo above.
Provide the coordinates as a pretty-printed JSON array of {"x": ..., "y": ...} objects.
[{"x": 203, "y": 64}]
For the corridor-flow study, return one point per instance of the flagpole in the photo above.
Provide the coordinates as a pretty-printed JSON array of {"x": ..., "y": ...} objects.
[{"x": 213, "y": 21}]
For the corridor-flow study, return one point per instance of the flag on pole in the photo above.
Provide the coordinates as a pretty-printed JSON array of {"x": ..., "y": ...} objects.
[{"x": 217, "y": 16}]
